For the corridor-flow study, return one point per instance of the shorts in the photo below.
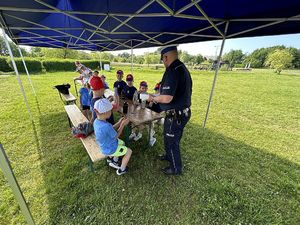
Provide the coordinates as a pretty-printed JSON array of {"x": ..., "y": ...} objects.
[
  {"x": 121, "y": 149},
  {"x": 85, "y": 107}
]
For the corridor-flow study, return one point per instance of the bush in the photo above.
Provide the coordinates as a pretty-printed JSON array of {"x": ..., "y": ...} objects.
[
  {"x": 93, "y": 64},
  {"x": 4, "y": 66},
  {"x": 33, "y": 65},
  {"x": 52, "y": 65}
]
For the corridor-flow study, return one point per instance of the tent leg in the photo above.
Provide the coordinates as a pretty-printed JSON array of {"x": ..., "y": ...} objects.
[
  {"x": 31, "y": 84},
  {"x": 214, "y": 83},
  {"x": 26, "y": 70},
  {"x": 21, "y": 87},
  {"x": 131, "y": 58},
  {"x": 10, "y": 176},
  {"x": 100, "y": 62}
]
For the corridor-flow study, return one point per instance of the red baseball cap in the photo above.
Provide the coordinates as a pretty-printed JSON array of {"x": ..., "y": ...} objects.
[
  {"x": 96, "y": 83},
  {"x": 144, "y": 83},
  {"x": 129, "y": 77}
]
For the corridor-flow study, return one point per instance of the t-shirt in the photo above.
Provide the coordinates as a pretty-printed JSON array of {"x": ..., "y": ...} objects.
[
  {"x": 120, "y": 86},
  {"x": 86, "y": 75},
  {"x": 176, "y": 82},
  {"x": 84, "y": 96},
  {"x": 106, "y": 137},
  {"x": 129, "y": 92}
]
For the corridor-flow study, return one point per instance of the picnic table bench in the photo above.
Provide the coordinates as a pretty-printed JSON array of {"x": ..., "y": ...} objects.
[
  {"x": 76, "y": 117},
  {"x": 68, "y": 99}
]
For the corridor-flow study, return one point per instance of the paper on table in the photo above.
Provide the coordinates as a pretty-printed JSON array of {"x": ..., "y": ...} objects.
[{"x": 144, "y": 97}]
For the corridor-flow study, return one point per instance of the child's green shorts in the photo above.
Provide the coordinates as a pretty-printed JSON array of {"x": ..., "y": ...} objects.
[{"x": 121, "y": 149}]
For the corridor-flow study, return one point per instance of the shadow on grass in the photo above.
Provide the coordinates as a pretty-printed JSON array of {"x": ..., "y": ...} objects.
[{"x": 224, "y": 181}]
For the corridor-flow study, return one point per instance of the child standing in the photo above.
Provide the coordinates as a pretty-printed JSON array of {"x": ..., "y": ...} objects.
[
  {"x": 129, "y": 89},
  {"x": 107, "y": 136},
  {"x": 85, "y": 100},
  {"x": 120, "y": 83},
  {"x": 136, "y": 99}
]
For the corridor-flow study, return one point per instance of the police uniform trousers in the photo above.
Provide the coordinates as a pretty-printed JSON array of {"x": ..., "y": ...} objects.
[{"x": 173, "y": 130}]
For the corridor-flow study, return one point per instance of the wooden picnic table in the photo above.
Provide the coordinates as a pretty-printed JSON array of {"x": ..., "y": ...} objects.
[{"x": 139, "y": 116}]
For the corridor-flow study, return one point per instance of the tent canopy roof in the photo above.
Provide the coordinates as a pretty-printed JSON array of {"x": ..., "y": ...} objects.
[{"x": 116, "y": 25}]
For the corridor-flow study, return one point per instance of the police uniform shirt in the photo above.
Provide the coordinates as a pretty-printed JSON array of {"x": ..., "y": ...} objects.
[
  {"x": 120, "y": 86},
  {"x": 177, "y": 82},
  {"x": 129, "y": 92}
]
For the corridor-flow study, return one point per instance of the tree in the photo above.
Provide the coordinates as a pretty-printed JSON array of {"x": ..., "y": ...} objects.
[
  {"x": 258, "y": 57},
  {"x": 234, "y": 57},
  {"x": 14, "y": 49},
  {"x": 36, "y": 52},
  {"x": 296, "y": 55},
  {"x": 279, "y": 60}
]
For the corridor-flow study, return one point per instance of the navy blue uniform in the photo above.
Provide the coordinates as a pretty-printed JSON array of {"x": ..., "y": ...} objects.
[
  {"x": 120, "y": 85},
  {"x": 129, "y": 92},
  {"x": 176, "y": 82}
]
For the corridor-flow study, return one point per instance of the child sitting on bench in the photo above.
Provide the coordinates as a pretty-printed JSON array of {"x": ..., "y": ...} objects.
[{"x": 107, "y": 136}]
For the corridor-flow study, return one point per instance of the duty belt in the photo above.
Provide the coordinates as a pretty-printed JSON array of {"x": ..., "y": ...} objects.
[{"x": 177, "y": 113}]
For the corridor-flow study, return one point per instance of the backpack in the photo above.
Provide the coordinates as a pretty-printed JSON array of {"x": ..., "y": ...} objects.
[
  {"x": 83, "y": 130},
  {"x": 63, "y": 88}
]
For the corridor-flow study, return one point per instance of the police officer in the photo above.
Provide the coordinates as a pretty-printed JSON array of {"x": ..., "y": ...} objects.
[{"x": 175, "y": 100}]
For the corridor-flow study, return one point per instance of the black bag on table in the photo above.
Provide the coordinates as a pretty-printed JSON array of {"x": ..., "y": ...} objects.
[{"x": 63, "y": 88}]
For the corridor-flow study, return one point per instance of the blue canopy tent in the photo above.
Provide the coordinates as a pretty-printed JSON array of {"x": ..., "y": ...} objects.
[{"x": 115, "y": 25}]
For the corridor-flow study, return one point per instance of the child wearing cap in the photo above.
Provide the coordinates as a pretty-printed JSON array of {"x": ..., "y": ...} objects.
[
  {"x": 134, "y": 135},
  {"x": 107, "y": 135},
  {"x": 129, "y": 89},
  {"x": 120, "y": 83},
  {"x": 98, "y": 89}
]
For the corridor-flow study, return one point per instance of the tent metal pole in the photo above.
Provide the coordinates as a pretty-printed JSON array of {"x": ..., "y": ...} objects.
[
  {"x": 18, "y": 75},
  {"x": 131, "y": 58},
  {"x": 100, "y": 62},
  {"x": 215, "y": 77},
  {"x": 10, "y": 176},
  {"x": 22, "y": 88},
  {"x": 31, "y": 84}
]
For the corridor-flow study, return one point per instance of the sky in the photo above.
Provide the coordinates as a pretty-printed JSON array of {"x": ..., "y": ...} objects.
[{"x": 247, "y": 45}]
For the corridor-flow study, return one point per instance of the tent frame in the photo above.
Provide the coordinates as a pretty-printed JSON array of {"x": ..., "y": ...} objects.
[{"x": 214, "y": 23}]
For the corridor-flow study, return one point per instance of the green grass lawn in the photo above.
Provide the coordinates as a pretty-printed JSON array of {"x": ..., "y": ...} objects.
[{"x": 244, "y": 168}]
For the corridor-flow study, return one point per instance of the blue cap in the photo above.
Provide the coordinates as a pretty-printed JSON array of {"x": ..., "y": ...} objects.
[{"x": 165, "y": 49}]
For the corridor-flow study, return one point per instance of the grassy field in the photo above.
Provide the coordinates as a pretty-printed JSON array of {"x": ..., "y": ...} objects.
[{"x": 244, "y": 168}]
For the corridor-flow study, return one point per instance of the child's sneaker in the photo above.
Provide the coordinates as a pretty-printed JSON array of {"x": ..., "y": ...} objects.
[
  {"x": 152, "y": 132},
  {"x": 132, "y": 136},
  {"x": 120, "y": 172},
  {"x": 109, "y": 159},
  {"x": 138, "y": 137},
  {"x": 152, "y": 141},
  {"x": 114, "y": 164}
]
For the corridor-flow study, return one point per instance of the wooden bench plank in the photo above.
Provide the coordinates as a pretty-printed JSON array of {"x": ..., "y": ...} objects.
[
  {"x": 90, "y": 144},
  {"x": 68, "y": 98}
]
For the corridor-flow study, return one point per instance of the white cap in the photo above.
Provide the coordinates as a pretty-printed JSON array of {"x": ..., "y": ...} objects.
[{"x": 103, "y": 105}]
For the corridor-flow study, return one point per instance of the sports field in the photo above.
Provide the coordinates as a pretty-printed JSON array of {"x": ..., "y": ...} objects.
[{"x": 244, "y": 168}]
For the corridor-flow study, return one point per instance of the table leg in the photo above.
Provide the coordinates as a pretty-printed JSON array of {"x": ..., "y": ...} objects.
[
  {"x": 75, "y": 87},
  {"x": 70, "y": 124},
  {"x": 127, "y": 131},
  {"x": 149, "y": 136},
  {"x": 91, "y": 167}
]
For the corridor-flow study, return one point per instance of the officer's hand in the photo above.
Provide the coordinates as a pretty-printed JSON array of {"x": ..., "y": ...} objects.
[
  {"x": 125, "y": 121},
  {"x": 150, "y": 98}
]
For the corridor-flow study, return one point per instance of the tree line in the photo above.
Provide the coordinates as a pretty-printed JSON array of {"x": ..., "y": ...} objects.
[{"x": 287, "y": 57}]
